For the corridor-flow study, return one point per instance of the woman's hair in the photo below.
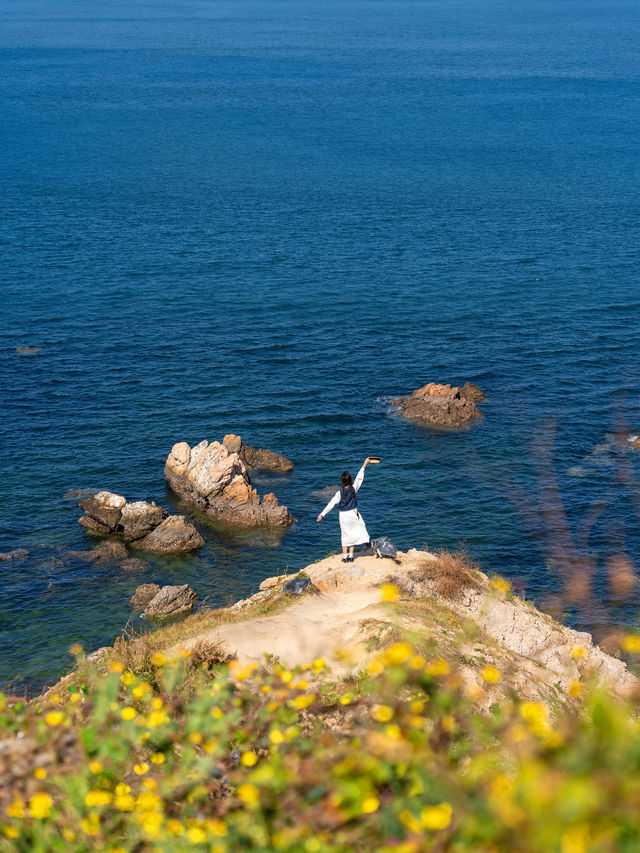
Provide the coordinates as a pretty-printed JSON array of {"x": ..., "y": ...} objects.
[{"x": 346, "y": 479}]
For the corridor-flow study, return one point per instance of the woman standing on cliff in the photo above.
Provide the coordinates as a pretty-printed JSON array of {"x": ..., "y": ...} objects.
[{"x": 353, "y": 530}]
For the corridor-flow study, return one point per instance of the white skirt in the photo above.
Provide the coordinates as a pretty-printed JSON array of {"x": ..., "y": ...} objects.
[{"x": 353, "y": 530}]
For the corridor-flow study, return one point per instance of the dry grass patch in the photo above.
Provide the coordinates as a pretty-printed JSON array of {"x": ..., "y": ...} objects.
[{"x": 451, "y": 572}]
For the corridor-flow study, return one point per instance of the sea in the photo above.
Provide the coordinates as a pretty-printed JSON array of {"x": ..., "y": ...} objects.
[{"x": 273, "y": 217}]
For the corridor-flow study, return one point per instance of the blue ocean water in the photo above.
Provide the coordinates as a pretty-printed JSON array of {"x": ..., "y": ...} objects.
[{"x": 272, "y": 217}]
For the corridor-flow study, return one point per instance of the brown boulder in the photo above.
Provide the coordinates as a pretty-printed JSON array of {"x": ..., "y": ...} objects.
[
  {"x": 258, "y": 457},
  {"x": 471, "y": 392},
  {"x": 171, "y": 601},
  {"x": 216, "y": 481},
  {"x": 265, "y": 460},
  {"x": 103, "y": 511},
  {"x": 143, "y": 595},
  {"x": 440, "y": 405},
  {"x": 173, "y": 536},
  {"x": 139, "y": 518}
]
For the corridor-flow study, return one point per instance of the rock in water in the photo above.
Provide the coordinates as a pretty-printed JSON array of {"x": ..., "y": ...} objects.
[
  {"x": 215, "y": 480},
  {"x": 109, "y": 552},
  {"x": 16, "y": 554},
  {"x": 170, "y": 601},
  {"x": 258, "y": 457},
  {"x": 173, "y": 536},
  {"x": 139, "y": 518},
  {"x": 143, "y": 595},
  {"x": 441, "y": 405},
  {"x": 102, "y": 512},
  {"x": 144, "y": 523},
  {"x": 472, "y": 392}
]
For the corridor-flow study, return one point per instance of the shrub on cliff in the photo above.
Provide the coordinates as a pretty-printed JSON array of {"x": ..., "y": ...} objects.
[{"x": 243, "y": 758}]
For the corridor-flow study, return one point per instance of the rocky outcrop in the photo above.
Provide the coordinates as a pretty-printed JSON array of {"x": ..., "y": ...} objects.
[
  {"x": 174, "y": 535},
  {"x": 442, "y": 405},
  {"x": 171, "y": 601},
  {"x": 143, "y": 595},
  {"x": 258, "y": 457},
  {"x": 141, "y": 522},
  {"x": 215, "y": 480}
]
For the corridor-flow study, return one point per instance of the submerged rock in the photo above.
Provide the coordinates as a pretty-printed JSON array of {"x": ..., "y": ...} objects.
[
  {"x": 134, "y": 564},
  {"x": 143, "y": 595},
  {"x": 15, "y": 554},
  {"x": 109, "y": 552},
  {"x": 258, "y": 457},
  {"x": 171, "y": 601},
  {"x": 442, "y": 405},
  {"x": 146, "y": 524},
  {"x": 174, "y": 535},
  {"x": 215, "y": 480}
]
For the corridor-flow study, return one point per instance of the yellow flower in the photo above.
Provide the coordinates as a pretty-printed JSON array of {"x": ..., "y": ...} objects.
[
  {"x": 575, "y": 689},
  {"x": 75, "y": 649},
  {"x": 438, "y": 667},
  {"x": 16, "y": 809},
  {"x": 319, "y": 664},
  {"x": 276, "y": 736},
  {"x": 54, "y": 718},
  {"x": 124, "y": 802},
  {"x": 10, "y": 832},
  {"x": 631, "y": 643},
  {"x": 249, "y": 794},
  {"x": 97, "y": 798},
  {"x": 185, "y": 653},
  {"x": 40, "y": 773},
  {"x": 158, "y": 659},
  {"x": 175, "y": 827},
  {"x": 382, "y": 713},
  {"x": 157, "y": 719},
  {"x": 578, "y": 652},
  {"x": 95, "y": 767},
  {"x": 389, "y": 592},
  {"x": 417, "y": 662},
  {"x": 393, "y": 731},
  {"x": 217, "y": 827},
  {"x": 116, "y": 666},
  {"x": 157, "y": 704},
  {"x": 417, "y": 706},
  {"x": 68, "y": 834},
  {"x": 398, "y": 653},
  {"x": 303, "y": 701},
  {"x": 370, "y": 805},
  {"x": 128, "y": 713},
  {"x": 40, "y": 806},
  {"x": 91, "y": 825},
  {"x": 195, "y": 738},
  {"x": 141, "y": 769},
  {"x": 127, "y": 678},
  {"x": 196, "y": 835},
  {"x": 375, "y": 666},
  {"x": 158, "y": 758},
  {"x": 249, "y": 758},
  {"x": 347, "y": 699},
  {"x": 491, "y": 674},
  {"x": 123, "y": 788},
  {"x": 148, "y": 801},
  {"x": 436, "y": 817},
  {"x": 75, "y": 697}
]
